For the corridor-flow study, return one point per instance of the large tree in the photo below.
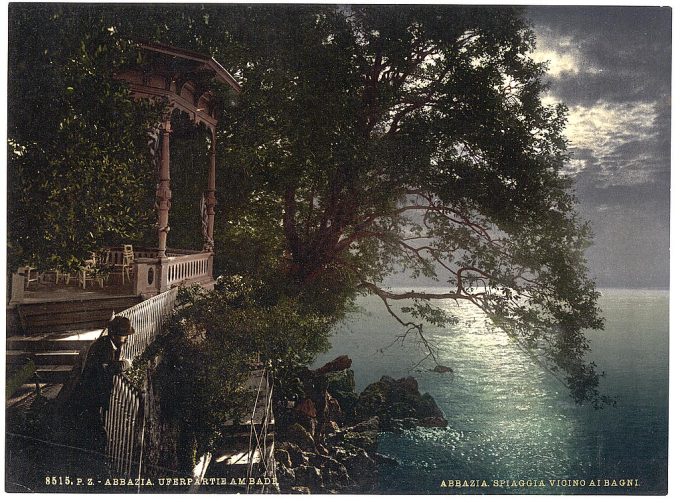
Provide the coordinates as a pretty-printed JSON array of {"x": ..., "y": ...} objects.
[
  {"x": 366, "y": 141},
  {"x": 414, "y": 138}
]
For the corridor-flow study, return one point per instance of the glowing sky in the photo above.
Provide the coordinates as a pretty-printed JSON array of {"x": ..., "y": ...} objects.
[{"x": 612, "y": 66}]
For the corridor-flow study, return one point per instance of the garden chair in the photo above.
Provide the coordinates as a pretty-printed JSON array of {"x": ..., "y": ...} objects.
[
  {"x": 125, "y": 267},
  {"x": 30, "y": 274},
  {"x": 92, "y": 271}
]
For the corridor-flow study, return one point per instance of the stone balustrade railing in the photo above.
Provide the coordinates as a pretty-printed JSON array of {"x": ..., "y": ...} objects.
[{"x": 181, "y": 267}]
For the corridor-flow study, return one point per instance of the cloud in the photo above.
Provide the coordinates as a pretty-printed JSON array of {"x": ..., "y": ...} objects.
[
  {"x": 612, "y": 66},
  {"x": 614, "y": 145},
  {"x": 614, "y": 54},
  {"x": 558, "y": 62}
]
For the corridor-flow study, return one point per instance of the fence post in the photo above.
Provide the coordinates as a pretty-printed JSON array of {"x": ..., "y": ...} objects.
[
  {"x": 18, "y": 282},
  {"x": 143, "y": 408},
  {"x": 163, "y": 266}
]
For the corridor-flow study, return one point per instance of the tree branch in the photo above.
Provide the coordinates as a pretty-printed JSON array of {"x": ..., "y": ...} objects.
[{"x": 409, "y": 325}]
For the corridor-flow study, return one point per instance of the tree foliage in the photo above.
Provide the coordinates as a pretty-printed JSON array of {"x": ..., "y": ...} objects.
[
  {"x": 79, "y": 173},
  {"x": 368, "y": 141},
  {"x": 207, "y": 350},
  {"x": 413, "y": 138}
]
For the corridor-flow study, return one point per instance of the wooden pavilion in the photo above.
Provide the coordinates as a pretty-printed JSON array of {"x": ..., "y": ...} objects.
[{"x": 183, "y": 81}]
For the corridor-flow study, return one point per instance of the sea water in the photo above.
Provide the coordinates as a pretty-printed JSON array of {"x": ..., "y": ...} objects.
[{"x": 512, "y": 426}]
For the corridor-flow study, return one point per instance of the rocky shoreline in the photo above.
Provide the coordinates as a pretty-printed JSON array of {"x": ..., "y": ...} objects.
[{"x": 327, "y": 437}]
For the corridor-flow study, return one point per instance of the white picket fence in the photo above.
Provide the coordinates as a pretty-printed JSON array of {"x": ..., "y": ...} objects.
[
  {"x": 124, "y": 422},
  {"x": 125, "y": 418},
  {"x": 147, "y": 319}
]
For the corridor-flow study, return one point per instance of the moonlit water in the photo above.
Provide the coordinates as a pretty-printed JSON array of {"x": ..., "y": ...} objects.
[{"x": 508, "y": 418}]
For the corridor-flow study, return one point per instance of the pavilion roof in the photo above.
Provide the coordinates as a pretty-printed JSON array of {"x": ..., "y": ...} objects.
[
  {"x": 184, "y": 78},
  {"x": 193, "y": 61}
]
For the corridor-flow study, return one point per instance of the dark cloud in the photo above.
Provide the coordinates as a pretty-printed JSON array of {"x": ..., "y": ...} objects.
[
  {"x": 624, "y": 52},
  {"x": 617, "y": 21},
  {"x": 592, "y": 192},
  {"x": 611, "y": 85},
  {"x": 618, "y": 91}
]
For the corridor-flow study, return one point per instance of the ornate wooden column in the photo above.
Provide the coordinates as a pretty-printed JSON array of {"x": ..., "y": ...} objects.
[
  {"x": 163, "y": 192},
  {"x": 182, "y": 80},
  {"x": 210, "y": 200}
]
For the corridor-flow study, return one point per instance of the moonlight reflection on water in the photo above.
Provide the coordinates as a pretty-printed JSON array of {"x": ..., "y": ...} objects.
[{"x": 508, "y": 418}]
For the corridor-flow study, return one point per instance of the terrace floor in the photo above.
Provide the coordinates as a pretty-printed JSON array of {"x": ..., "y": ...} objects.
[{"x": 49, "y": 292}]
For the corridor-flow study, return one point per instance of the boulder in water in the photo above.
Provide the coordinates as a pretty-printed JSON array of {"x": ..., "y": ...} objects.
[
  {"x": 397, "y": 400},
  {"x": 442, "y": 369}
]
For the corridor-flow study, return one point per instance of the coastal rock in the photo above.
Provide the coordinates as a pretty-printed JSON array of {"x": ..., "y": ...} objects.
[
  {"x": 330, "y": 463},
  {"x": 347, "y": 401},
  {"x": 332, "y": 409},
  {"x": 308, "y": 476},
  {"x": 297, "y": 434},
  {"x": 442, "y": 369},
  {"x": 297, "y": 456},
  {"x": 397, "y": 425},
  {"x": 335, "y": 476},
  {"x": 340, "y": 363},
  {"x": 366, "y": 441},
  {"x": 396, "y": 400},
  {"x": 300, "y": 490},
  {"x": 333, "y": 473},
  {"x": 385, "y": 460},
  {"x": 433, "y": 422},
  {"x": 361, "y": 468},
  {"x": 306, "y": 408},
  {"x": 371, "y": 425},
  {"x": 282, "y": 457},
  {"x": 427, "y": 407},
  {"x": 407, "y": 384},
  {"x": 285, "y": 477},
  {"x": 363, "y": 435},
  {"x": 330, "y": 440},
  {"x": 340, "y": 381}
]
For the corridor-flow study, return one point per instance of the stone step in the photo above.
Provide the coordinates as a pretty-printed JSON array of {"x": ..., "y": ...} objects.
[
  {"x": 56, "y": 358},
  {"x": 54, "y": 373},
  {"x": 14, "y": 357},
  {"x": 25, "y": 395},
  {"x": 233, "y": 461},
  {"x": 67, "y": 357},
  {"x": 54, "y": 316},
  {"x": 66, "y": 341}
]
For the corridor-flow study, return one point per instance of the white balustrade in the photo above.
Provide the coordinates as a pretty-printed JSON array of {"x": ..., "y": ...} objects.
[
  {"x": 147, "y": 318},
  {"x": 124, "y": 419},
  {"x": 188, "y": 268}
]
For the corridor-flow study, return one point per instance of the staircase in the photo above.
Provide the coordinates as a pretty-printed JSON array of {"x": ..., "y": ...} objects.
[
  {"x": 249, "y": 441},
  {"x": 51, "y": 335}
]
